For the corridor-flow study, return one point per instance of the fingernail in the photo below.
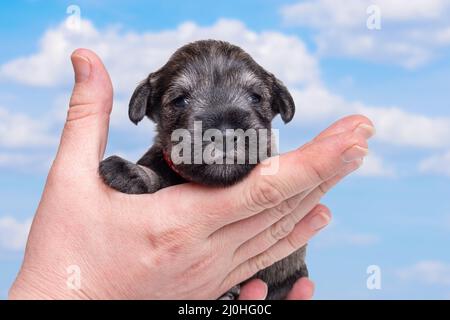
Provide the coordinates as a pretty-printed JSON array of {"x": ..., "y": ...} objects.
[
  {"x": 266, "y": 291},
  {"x": 351, "y": 166},
  {"x": 319, "y": 220},
  {"x": 365, "y": 130},
  {"x": 354, "y": 153},
  {"x": 81, "y": 67}
]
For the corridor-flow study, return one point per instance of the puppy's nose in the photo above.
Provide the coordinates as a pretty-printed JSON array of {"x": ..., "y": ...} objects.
[
  {"x": 228, "y": 132},
  {"x": 230, "y": 119}
]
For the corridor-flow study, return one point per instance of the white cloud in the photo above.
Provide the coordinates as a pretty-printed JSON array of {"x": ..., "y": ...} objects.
[
  {"x": 399, "y": 127},
  {"x": 131, "y": 56},
  {"x": 337, "y": 235},
  {"x": 13, "y": 233},
  {"x": 411, "y": 9},
  {"x": 329, "y": 13},
  {"x": 394, "y": 125},
  {"x": 344, "y": 239},
  {"x": 316, "y": 103},
  {"x": 19, "y": 130},
  {"x": 411, "y": 30},
  {"x": 375, "y": 166},
  {"x": 28, "y": 161},
  {"x": 430, "y": 272},
  {"x": 7, "y": 159},
  {"x": 437, "y": 164}
]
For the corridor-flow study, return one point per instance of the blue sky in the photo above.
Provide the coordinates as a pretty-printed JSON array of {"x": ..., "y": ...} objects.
[{"x": 394, "y": 213}]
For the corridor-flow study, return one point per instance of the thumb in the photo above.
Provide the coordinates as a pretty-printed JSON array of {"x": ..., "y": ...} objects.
[{"x": 85, "y": 133}]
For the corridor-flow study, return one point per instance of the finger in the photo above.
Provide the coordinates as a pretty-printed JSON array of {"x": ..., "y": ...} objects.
[
  {"x": 85, "y": 132},
  {"x": 318, "y": 218},
  {"x": 254, "y": 289},
  {"x": 303, "y": 289},
  {"x": 348, "y": 123},
  {"x": 301, "y": 204},
  {"x": 241, "y": 231},
  {"x": 276, "y": 232}
]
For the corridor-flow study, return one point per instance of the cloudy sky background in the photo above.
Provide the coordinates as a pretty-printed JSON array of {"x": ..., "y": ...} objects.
[{"x": 394, "y": 213}]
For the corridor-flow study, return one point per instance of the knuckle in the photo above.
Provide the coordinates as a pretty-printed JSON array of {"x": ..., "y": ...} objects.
[
  {"x": 294, "y": 202},
  {"x": 279, "y": 211},
  {"x": 265, "y": 195},
  {"x": 322, "y": 189},
  {"x": 360, "y": 141},
  {"x": 281, "y": 229},
  {"x": 315, "y": 171},
  {"x": 261, "y": 262},
  {"x": 78, "y": 111},
  {"x": 170, "y": 240},
  {"x": 202, "y": 266},
  {"x": 285, "y": 207}
]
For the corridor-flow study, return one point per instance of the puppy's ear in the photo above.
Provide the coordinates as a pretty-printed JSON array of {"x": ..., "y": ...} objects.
[
  {"x": 142, "y": 101},
  {"x": 282, "y": 101},
  {"x": 138, "y": 102}
]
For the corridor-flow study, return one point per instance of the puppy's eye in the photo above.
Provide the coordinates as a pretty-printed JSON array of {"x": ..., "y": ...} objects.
[
  {"x": 181, "y": 102},
  {"x": 254, "y": 98}
]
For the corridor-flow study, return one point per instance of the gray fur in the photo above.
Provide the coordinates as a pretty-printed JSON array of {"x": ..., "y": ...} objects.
[{"x": 218, "y": 80}]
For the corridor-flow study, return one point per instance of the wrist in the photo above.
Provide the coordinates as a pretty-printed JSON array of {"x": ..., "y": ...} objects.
[{"x": 37, "y": 286}]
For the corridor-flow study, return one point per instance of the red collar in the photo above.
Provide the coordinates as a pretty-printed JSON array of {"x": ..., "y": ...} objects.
[{"x": 172, "y": 166}]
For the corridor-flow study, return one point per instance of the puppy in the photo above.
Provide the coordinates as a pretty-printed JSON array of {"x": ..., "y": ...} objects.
[{"x": 221, "y": 87}]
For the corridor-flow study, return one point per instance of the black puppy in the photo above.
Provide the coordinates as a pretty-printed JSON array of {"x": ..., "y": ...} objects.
[{"x": 219, "y": 86}]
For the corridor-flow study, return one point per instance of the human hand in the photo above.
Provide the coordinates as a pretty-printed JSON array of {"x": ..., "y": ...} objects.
[
  {"x": 256, "y": 289},
  {"x": 182, "y": 242}
]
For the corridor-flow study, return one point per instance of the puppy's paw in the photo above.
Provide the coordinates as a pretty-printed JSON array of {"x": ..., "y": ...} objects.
[
  {"x": 280, "y": 290},
  {"x": 127, "y": 177},
  {"x": 232, "y": 294}
]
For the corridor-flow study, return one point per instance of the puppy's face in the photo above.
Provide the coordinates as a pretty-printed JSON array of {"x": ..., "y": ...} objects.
[{"x": 215, "y": 91}]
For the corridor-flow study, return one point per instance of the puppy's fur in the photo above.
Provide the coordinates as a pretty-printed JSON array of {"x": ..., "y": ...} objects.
[{"x": 222, "y": 86}]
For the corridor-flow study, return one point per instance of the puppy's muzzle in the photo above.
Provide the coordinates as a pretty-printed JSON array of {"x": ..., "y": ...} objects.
[{"x": 231, "y": 118}]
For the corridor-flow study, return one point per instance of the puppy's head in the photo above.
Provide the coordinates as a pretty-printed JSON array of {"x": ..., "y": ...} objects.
[{"x": 212, "y": 87}]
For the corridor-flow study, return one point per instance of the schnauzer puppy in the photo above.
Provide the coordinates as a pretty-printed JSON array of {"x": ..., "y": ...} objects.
[{"x": 219, "y": 86}]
